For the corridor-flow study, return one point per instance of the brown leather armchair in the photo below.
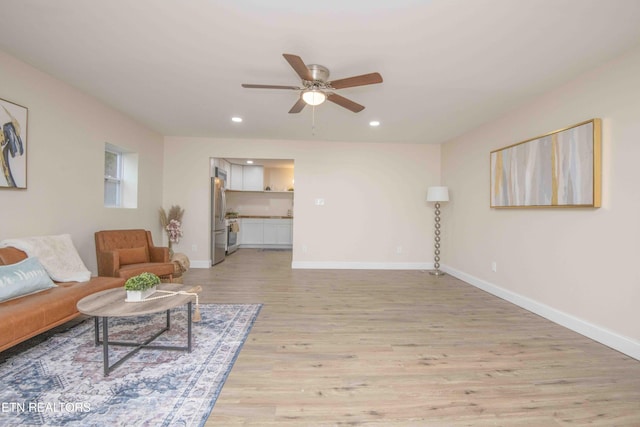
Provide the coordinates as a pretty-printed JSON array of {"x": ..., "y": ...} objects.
[{"x": 127, "y": 253}]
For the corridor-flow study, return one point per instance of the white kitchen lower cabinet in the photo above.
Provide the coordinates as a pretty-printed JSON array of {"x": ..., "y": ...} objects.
[
  {"x": 266, "y": 233},
  {"x": 278, "y": 232},
  {"x": 251, "y": 231}
]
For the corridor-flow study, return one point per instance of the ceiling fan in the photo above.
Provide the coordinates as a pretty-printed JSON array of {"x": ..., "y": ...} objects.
[{"x": 317, "y": 88}]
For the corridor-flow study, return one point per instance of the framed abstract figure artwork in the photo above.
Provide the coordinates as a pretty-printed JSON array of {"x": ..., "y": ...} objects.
[
  {"x": 559, "y": 169},
  {"x": 13, "y": 145}
]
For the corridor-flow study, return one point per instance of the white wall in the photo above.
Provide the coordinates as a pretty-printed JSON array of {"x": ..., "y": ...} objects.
[
  {"x": 576, "y": 266},
  {"x": 65, "y": 164},
  {"x": 267, "y": 203},
  {"x": 374, "y": 198}
]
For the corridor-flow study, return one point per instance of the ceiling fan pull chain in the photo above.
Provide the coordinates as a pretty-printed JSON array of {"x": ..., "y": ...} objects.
[{"x": 313, "y": 120}]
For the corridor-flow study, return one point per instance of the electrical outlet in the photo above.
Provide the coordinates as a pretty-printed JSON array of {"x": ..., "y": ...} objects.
[
  {"x": 304, "y": 249},
  {"x": 494, "y": 266},
  {"x": 194, "y": 248},
  {"x": 319, "y": 202},
  {"x": 399, "y": 250}
]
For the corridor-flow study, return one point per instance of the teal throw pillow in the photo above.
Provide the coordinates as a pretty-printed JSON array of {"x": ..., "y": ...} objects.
[{"x": 23, "y": 278}]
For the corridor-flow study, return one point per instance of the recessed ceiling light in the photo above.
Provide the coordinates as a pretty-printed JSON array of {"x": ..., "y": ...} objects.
[
  {"x": 374, "y": 123},
  {"x": 236, "y": 119},
  {"x": 249, "y": 162}
]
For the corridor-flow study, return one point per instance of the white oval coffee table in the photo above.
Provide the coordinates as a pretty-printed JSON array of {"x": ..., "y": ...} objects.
[{"x": 111, "y": 303}]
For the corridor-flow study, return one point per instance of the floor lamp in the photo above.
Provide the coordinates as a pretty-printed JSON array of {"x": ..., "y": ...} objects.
[{"x": 437, "y": 195}]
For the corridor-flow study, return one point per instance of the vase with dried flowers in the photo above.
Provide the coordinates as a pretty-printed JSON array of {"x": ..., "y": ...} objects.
[{"x": 172, "y": 224}]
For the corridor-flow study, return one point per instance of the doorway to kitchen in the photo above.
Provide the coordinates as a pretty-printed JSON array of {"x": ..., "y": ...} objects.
[{"x": 258, "y": 203}]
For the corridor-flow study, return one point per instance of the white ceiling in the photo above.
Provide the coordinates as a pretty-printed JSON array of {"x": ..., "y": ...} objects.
[{"x": 448, "y": 65}]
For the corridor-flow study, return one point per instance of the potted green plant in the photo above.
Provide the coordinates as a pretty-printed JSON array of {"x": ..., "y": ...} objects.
[{"x": 141, "y": 286}]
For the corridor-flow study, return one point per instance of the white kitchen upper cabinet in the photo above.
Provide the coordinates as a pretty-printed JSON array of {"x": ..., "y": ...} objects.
[
  {"x": 236, "y": 179},
  {"x": 225, "y": 166},
  {"x": 253, "y": 178}
]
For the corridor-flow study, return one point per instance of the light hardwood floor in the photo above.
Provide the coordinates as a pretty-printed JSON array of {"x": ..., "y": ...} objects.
[{"x": 404, "y": 348}]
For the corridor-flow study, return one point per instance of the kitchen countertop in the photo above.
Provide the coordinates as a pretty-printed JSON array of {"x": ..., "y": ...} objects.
[{"x": 262, "y": 217}]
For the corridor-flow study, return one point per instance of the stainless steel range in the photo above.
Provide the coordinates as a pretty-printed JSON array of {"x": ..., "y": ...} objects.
[{"x": 233, "y": 228}]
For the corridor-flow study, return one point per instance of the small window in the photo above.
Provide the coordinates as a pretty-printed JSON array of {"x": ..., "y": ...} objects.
[
  {"x": 112, "y": 178},
  {"x": 120, "y": 178}
]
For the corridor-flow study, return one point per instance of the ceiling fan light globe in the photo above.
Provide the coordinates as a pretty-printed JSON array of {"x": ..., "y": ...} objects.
[{"x": 314, "y": 97}]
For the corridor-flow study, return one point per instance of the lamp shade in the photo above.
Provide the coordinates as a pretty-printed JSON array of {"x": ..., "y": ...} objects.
[
  {"x": 313, "y": 97},
  {"x": 438, "y": 194}
]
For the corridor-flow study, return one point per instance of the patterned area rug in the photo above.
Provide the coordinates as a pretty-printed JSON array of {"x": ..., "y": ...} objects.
[{"x": 61, "y": 381}]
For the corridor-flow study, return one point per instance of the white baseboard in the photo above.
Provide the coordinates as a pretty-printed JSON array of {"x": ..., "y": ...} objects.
[
  {"x": 200, "y": 263},
  {"x": 336, "y": 265},
  {"x": 604, "y": 336},
  {"x": 265, "y": 246}
]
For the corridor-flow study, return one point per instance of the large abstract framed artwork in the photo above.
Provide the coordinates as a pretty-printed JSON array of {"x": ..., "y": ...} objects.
[
  {"x": 559, "y": 169},
  {"x": 13, "y": 145}
]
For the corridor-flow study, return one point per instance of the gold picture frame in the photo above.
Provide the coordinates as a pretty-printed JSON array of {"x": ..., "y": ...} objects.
[{"x": 560, "y": 169}]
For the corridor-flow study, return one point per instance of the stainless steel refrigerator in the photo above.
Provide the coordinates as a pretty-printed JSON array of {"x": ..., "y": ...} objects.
[{"x": 218, "y": 226}]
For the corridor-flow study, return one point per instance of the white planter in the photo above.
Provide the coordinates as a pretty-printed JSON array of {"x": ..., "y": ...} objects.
[{"x": 140, "y": 295}]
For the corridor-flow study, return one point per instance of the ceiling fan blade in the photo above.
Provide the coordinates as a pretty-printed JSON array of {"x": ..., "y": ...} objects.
[
  {"x": 365, "y": 79},
  {"x": 344, "y": 102},
  {"x": 299, "y": 66},
  {"x": 298, "y": 106},
  {"x": 249, "y": 86}
]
